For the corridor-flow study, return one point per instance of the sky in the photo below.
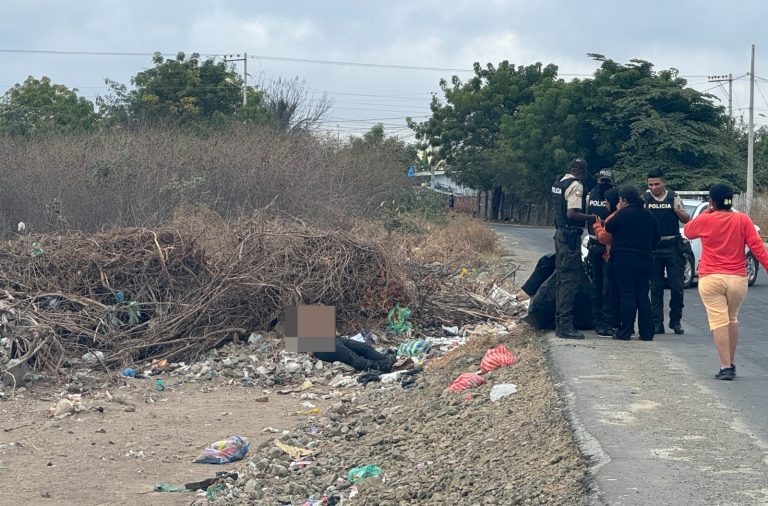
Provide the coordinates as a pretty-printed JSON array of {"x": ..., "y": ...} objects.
[{"x": 380, "y": 62}]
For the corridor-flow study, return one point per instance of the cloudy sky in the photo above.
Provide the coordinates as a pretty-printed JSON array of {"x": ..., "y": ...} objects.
[{"x": 379, "y": 62}]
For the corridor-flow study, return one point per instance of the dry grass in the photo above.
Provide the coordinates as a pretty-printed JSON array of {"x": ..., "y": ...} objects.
[
  {"x": 140, "y": 178},
  {"x": 459, "y": 240}
]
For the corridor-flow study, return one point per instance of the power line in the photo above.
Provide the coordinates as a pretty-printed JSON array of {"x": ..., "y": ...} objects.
[{"x": 93, "y": 53}]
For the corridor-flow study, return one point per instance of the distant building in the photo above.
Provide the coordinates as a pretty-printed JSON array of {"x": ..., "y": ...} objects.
[{"x": 443, "y": 183}]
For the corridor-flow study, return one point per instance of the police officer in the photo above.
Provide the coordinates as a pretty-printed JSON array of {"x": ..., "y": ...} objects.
[
  {"x": 668, "y": 209},
  {"x": 601, "y": 301},
  {"x": 568, "y": 201}
]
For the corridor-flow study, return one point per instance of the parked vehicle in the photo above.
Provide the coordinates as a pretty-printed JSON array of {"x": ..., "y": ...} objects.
[{"x": 692, "y": 257}]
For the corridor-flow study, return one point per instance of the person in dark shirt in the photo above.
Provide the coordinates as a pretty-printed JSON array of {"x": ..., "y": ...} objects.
[
  {"x": 635, "y": 235},
  {"x": 667, "y": 207}
]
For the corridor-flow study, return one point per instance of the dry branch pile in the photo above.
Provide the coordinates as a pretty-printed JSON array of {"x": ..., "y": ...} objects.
[{"x": 139, "y": 293}]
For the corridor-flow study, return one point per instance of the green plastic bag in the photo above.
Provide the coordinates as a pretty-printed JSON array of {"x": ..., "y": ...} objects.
[
  {"x": 357, "y": 474},
  {"x": 396, "y": 319}
]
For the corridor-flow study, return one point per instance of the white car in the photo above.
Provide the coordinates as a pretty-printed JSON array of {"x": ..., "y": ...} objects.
[{"x": 692, "y": 257}]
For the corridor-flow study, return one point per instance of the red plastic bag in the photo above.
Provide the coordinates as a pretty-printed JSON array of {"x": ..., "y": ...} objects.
[
  {"x": 497, "y": 357},
  {"x": 466, "y": 380}
]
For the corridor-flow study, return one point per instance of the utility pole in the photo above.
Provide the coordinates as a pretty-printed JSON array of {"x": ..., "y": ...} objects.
[
  {"x": 751, "y": 137},
  {"x": 722, "y": 79},
  {"x": 244, "y": 59}
]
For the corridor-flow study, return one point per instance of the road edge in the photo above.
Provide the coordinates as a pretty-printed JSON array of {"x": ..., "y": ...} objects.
[{"x": 588, "y": 445}]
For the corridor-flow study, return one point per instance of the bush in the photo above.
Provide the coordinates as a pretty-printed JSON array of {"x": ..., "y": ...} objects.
[{"x": 141, "y": 177}]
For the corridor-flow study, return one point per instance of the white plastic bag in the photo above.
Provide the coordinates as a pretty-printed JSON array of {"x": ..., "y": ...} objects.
[{"x": 502, "y": 390}]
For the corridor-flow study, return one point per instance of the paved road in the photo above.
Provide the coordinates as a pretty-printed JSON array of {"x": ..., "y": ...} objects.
[{"x": 660, "y": 428}]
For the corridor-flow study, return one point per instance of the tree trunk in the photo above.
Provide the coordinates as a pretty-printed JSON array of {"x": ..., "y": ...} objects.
[{"x": 496, "y": 199}]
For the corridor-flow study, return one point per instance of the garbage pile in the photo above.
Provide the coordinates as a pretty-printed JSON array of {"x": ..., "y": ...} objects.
[{"x": 388, "y": 444}]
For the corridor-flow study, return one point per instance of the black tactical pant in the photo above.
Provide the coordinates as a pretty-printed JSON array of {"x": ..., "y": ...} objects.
[
  {"x": 544, "y": 269},
  {"x": 361, "y": 356},
  {"x": 633, "y": 271},
  {"x": 668, "y": 256},
  {"x": 601, "y": 297},
  {"x": 568, "y": 271}
]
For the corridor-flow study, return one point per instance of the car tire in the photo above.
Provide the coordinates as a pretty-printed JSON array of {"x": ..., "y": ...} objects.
[
  {"x": 688, "y": 270},
  {"x": 753, "y": 269}
]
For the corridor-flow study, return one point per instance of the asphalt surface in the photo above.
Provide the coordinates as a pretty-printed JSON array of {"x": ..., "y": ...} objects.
[{"x": 658, "y": 427}]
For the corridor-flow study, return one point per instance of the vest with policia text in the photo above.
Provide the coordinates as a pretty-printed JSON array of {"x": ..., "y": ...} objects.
[
  {"x": 664, "y": 212},
  {"x": 597, "y": 205},
  {"x": 560, "y": 205}
]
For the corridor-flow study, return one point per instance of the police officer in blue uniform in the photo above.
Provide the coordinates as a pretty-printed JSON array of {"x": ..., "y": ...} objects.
[
  {"x": 668, "y": 209},
  {"x": 601, "y": 300},
  {"x": 568, "y": 203}
]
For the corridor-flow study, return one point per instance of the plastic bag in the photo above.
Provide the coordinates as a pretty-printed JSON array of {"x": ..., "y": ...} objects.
[
  {"x": 466, "y": 380},
  {"x": 413, "y": 348},
  {"x": 396, "y": 319},
  {"x": 497, "y": 357},
  {"x": 502, "y": 390},
  {"x": 358, "y": 474},
  {"x": 225, "y": 451}
]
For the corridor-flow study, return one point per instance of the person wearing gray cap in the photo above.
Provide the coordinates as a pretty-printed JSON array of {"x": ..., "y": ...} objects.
[
  {"x": 601, "y": 299},
  {"x": 568, "y": 204}
]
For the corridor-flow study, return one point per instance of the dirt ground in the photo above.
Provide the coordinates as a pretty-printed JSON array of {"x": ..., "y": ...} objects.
[{"x": 95, "y": 458}]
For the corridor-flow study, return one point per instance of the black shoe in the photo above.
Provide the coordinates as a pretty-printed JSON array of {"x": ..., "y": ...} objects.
[
  {"x": 569, "y": 333},
  {"x": 646, "y": 338},
  {"x": 603, "y": 332},
  {"x": 734, "y": 369},
  {"x": 658, "y": 328},
  {"x": 725, "y": 373},
  {"x": 677, "y": 328},
  {"x": 617, "y": 334}
]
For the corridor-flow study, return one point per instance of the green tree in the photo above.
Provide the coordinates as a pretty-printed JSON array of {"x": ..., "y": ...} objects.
[
  {"x": 464, "y": 131},
  {"x": 184, "y": 90},
  {"x": 39, "y": 106},
  {"x": 671, "y": 127}
]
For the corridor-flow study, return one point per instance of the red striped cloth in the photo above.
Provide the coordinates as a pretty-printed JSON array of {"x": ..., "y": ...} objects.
[
  {"x": 497, "y": 357},
  {"x": 467, "y": 380}
]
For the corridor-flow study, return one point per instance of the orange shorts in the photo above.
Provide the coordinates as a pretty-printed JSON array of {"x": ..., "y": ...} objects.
[{"x": 722, "y": 295}]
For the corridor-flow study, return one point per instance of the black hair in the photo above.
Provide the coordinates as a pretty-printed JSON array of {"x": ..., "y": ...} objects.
[
  {"x": 631, "y": 196},
  {"x": 612, "y": 197},
  {"x": 655, "y": 173},
  {"x": 721, "y": 196}
]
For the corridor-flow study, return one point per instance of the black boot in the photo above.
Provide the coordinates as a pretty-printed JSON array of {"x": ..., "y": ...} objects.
[
  {"x": 676, "y": 327},
  {"x": 569, "y": 333},
  {"x": 658, "y": 328}
]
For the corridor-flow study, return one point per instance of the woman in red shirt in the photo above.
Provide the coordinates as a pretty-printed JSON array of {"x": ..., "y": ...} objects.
[{"x": 722, "y": 269}]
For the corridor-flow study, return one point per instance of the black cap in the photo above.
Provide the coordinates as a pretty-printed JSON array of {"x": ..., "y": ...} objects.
[
  {"x": 605, "y": 174},
  {"x": 578, "y": 164}
]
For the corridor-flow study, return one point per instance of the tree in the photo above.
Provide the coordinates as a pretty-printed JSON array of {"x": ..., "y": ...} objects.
[
  {"x": 291, "y": 106},
  {"x": 39, "y": 106},
  {"x": 186, "y": 91},
  {"x": 668, "y": 126},
  {"x": 375, "y": 140},
  {"x": 464, "y": 131}
]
